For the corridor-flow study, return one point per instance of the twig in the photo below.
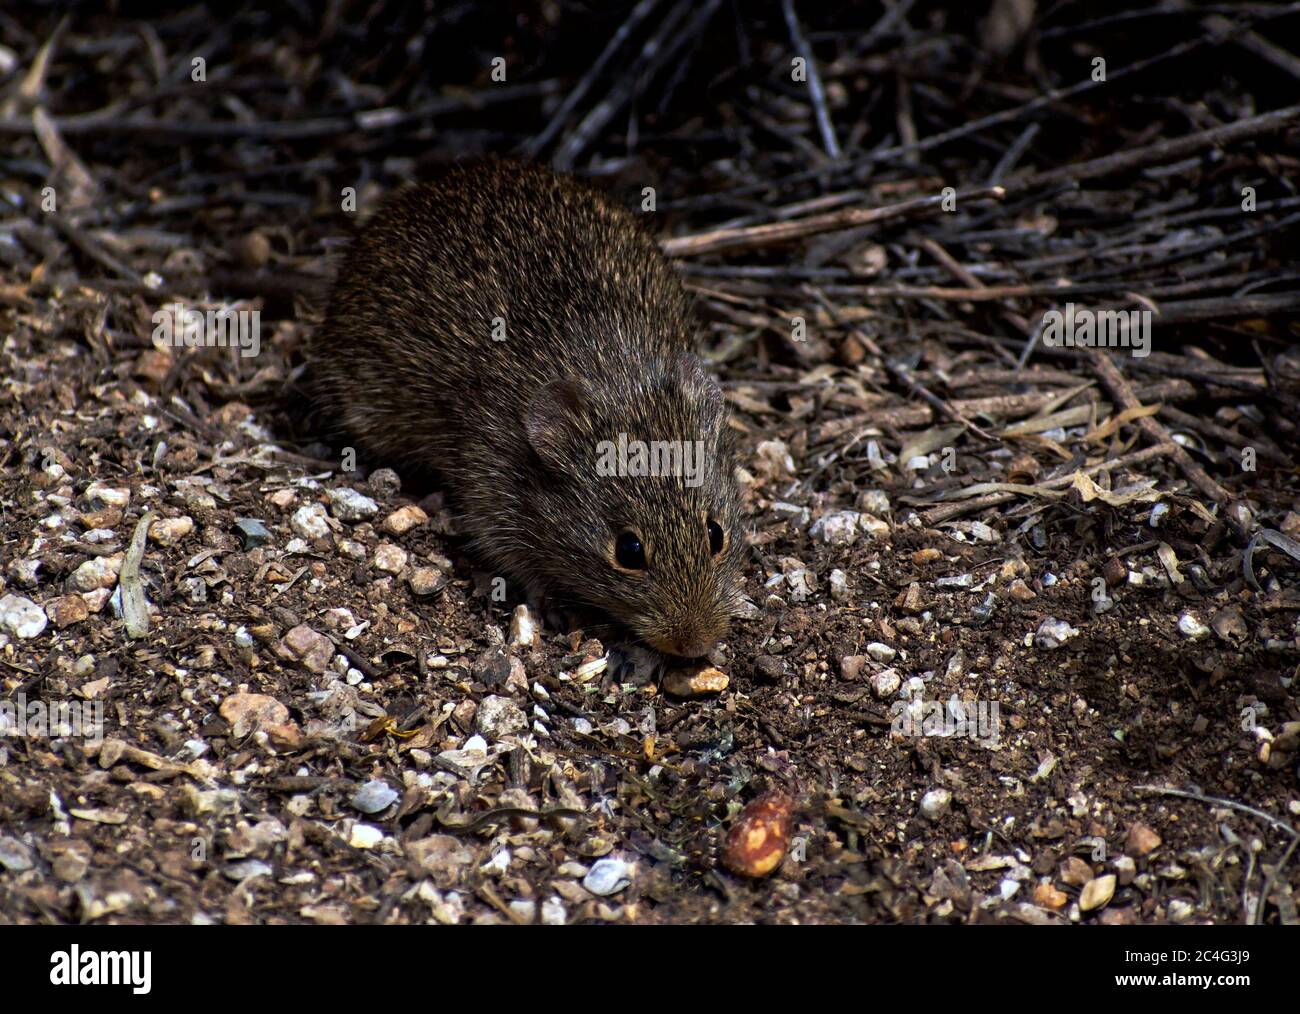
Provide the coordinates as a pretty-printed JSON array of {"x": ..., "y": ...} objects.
[
  {"x": 1122, "y": 392},
  {"x": 757, "y": 236},
  {"x": 815, "y": 89}
]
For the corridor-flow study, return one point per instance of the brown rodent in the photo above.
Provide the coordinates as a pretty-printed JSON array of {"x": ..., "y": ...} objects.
[{"x": 597, "y": 330}]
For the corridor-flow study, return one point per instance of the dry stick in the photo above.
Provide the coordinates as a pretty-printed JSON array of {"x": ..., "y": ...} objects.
[
  {"x": 1014, "y": 153},
  {"x": 1232, "y": 804},
  {"x": 1256, "y": 45},
  {"x": 110, "y": 122},
  {"x": 1185, "y": 311},
  {"x": 815, "y": 88},
  {"x": 638, "y": 15},
  {"x": 947, "y": 512},
  {"x": 1011, "y": 115},
  {"x": 1267, "y": 449},
  {"x": 1122, "y": 392},
  {"x": 657, "y": 48},
  {"x": 1000, "y": 405},
  {"x": 1165, "y": 150},
  {"x": 962, "y": 275},
  {"x": 1271, "y": 879},
  {"x": 902, "y": 374},
  {"x": 79, "y": 238},
  {"x": 758, "y": 236}
]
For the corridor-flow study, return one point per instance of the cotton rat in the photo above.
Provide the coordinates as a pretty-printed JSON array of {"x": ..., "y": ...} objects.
[{"x": 511, "y": 329}]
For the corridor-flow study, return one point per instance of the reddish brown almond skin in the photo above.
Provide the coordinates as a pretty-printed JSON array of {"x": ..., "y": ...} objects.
[{"x": 760, "y": 838}]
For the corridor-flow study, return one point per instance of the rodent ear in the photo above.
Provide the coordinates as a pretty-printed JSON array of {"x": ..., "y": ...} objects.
[
  {"x": 698, "y": 382},
  {"x": 553, "y": 419}
]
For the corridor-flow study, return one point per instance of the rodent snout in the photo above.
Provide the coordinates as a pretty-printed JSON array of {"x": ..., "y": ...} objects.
[{"x": 689, "y": 642}]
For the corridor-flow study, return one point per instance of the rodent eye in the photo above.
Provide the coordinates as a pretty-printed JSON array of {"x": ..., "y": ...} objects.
[
  {"x": 716, "y": 539},
  {"x": 628, "y": 552}
]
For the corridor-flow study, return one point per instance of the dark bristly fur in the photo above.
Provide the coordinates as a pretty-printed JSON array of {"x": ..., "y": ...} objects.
[{"x": 597, "y": 337}]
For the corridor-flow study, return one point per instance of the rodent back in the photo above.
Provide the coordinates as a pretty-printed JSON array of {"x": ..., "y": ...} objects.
[{"x": 463, "y": 294}]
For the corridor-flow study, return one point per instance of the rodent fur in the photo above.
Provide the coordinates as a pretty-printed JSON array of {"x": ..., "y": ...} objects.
[{"x": 598, "y": 336}]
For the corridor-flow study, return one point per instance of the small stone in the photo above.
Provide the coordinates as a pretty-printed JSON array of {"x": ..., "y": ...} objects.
[
  {"x": 404, "y": 519},
  {"x": 364, "y": 836},
  {"x": 851, "y": 666},
  {"x": 875, "y": 502},
  {"x": 15, "y": 856},
  {"x": 695, "y": 682},
  {"x": 608, "y": 876},
  {"x": 100, "y": 495},
  {"x": 1141, "y": 840},
  {"x": 310, "y": 522},
  {"x": 1229, "y": 625},
  {"x": 1052, "y": 633},
  {"x": 352, "y": 549},
  {"x": 65, "y": 611},
  {"x": 881, "y": 652},
  {"x": 313, "y": 649},
  {"x": 1115, "y": 572},
  {"x": 885, "y": 683},
  {"x": 935, "y": 803},
  {"x": 909, "y": 601},
  {"x": 769, "y": 667},
  {"x": 101, "y": 572},
  {"x": 873, "y": 527},
  {"x": 1047, "y": 896},
  {"x": 800, "y": 579},
  {"x": 390, "y": 559},
  {"x": 71, "y": 866},
  {"x": 169, "y": 531},
  {"x": 524, "y": 632},
  {"x": 349, "y": 505},
  {"x": 1190, "y": 627},
  {"x": 928, "y": 555},
  {"x": 21, "y": 617},
  {"x": 1125, "y": 869},
  {"x": 425, "y": 581},
  {"x": 1020, "y": 591},
  {"x": 282, "y": 498},
  {"x": 499, "y": 716},
  {"x": 1075, "y": 872},
  {"x": 442, "y": 856},
  {"x": 492, "y": 668},
  {"x": 1097, "y": 893},
  {"x": 254, "y": 249},
  {"x": 385, "y": 482},
  {"x": 252, "y": 533},
  {"x": 96, "y": 599},
  {"x": 24, "y": 572},
  {"x": 839, "y": 583},
  {"x": 773, "y": 459},
  {"x": 249, "y": 712},
  {"x": 375, "y": 797},
  {"x": 553, "y": 913},
  {"x": 837, "y": 529}
]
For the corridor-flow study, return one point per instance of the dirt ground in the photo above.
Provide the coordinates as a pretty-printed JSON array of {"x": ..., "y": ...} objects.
[{"x": 1066, "y": 703}]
